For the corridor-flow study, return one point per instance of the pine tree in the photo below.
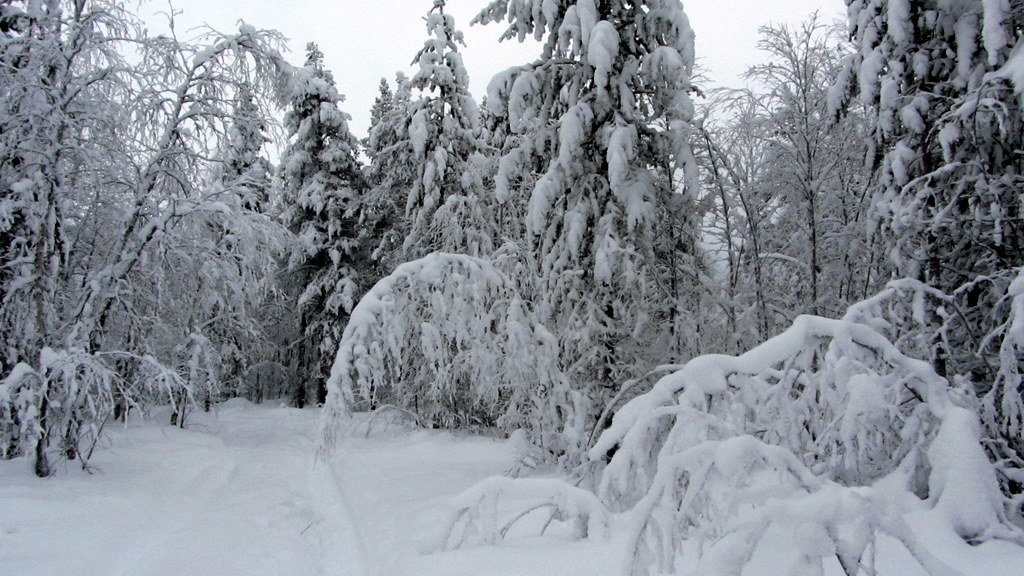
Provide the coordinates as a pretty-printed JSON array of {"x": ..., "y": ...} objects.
[{"x": 322, "y": 191}]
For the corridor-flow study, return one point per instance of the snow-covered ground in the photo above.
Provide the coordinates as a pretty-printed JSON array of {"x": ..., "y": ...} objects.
[
  {"x": 235, "y": 494},
  {"x": 240, "y": 492}
]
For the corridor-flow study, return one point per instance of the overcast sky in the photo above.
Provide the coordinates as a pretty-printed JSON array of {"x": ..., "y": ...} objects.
[{"x": 365, "y": 40}]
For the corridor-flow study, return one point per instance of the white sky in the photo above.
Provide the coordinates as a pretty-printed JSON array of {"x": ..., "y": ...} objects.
[{"x": 365, "y": 40}]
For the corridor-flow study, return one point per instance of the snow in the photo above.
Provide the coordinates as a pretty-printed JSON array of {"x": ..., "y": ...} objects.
[
  {"x": 602, "y": 51},
  {"x": 963, "y": 483},
  {"x": 525, "y": 86},
  {"x": 1014, "y": 68},
  {"x": 240, "y": 492},
  {"x": 993, "y": 34},
  {"x": 966, "y": 35},
  {"x": 237, "y": 494},
  {"x": 419, "y": 132},
  {"x": 494, "y": 508},
  {"x": 621, "y": 154},
  {"x": 665, "y": 64},
  {"x": 586, "y": 12},
  {"x": 899, "y": 20},
  {"x": 870, "y": 72},
  {"x": 569, "y": 32}
]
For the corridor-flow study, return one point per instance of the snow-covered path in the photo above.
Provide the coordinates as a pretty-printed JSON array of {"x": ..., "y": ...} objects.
[
  {"x": 236, "y": 494},
  {"x": 239, "y": 493},
  {"x": 402, "y": 489}
]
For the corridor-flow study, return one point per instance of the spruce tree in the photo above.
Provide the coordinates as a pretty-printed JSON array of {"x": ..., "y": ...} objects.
[
  {"x": 322, "y": 192},
  {"x": 390, "y": 172},
  {"x": 599, "y": 116},
  {"x": 944, "y": 83},
  {"x": 445, "y": 206},
  {"x": 246, "y": 171}
]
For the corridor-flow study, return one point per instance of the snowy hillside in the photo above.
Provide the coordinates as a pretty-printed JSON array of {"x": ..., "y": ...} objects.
[{"x": 239, "y": 493}]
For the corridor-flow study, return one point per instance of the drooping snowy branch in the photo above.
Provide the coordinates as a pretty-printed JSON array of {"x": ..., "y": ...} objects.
[
  {"x": 487, "y": 512},
  {"x": 824, "y": 405}
]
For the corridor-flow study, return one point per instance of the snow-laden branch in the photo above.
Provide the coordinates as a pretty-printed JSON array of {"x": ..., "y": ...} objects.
[
  {"x": 815, "y": 433},
  {"x": 826, "y": 407},
  {"x": 488, "y": 511}
]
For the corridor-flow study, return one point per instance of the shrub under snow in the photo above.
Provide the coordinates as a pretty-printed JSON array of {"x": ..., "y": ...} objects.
[{"x": 806, "y": 435}]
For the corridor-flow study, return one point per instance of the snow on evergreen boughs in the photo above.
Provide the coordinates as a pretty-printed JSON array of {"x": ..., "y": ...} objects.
[
  {"x": 323, "y": 196},
  {"x": 1010, "y": 409},
  {"x": 582, "y": 143},
  {"x": 245, "y": 168},
  {"x": 445, "y": 207},
  {"x": 391, "y": 171},
  {"x": 940, "y": 80}
]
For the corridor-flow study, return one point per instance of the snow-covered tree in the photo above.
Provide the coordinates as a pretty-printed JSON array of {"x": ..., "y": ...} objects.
[
  {"x": 448, "y": 339},
  {"x": 786, "y": 185},
  {"x": 733, "y": 158},
  {"x": 812, "y": 436},
  {"x": 56, "y": 56},
  {"x": 388, "y": 115},
  {"x": 111, "y": 165},
  {"x": 45, "y": 106},
  {"x": 383, "y": 107},
  {"x": 589, "y": 128},
  {"x": 943, "y": 81},
  {"x": 392, "y": 169},
  {"x": 815, "y": 166},
  {"x": 322, "y": 194},
  {"x": 246, "y": 170},
  {"x": 446, "y": 205}
]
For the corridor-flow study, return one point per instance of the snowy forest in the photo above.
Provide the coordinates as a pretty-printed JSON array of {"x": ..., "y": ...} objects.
[{"x": 698, "y": 319}]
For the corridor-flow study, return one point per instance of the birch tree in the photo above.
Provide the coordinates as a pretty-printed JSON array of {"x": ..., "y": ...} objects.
[{"x": 110, "y": 165}]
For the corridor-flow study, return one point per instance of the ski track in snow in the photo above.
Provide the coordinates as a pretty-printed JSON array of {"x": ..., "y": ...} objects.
[
  {"x": 235, "y": 494},
  {"x": 240, "y": 493}
]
